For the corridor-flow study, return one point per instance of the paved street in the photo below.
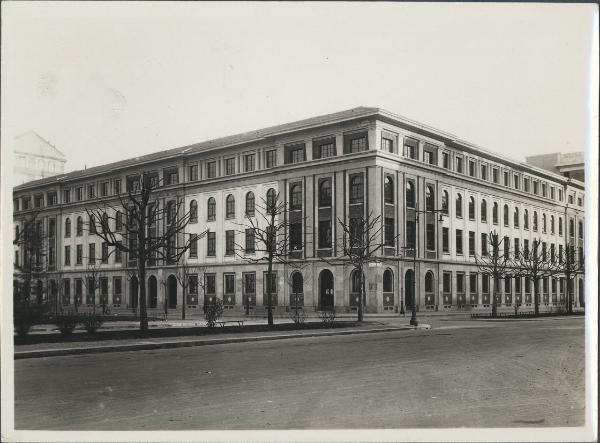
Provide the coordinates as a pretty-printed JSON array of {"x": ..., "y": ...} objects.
[{"x": 462, "y": 374}]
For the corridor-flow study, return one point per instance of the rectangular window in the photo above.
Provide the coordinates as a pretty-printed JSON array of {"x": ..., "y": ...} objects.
[
  {"x": 249, "y": 162},
  {"x": 471, "y": 243},
  {"x": 104, "y": 189},
  {"x": 211, "y": 169},
  {"x": 66, "y": 196},
  {"x": 294, "y": 153},
  {"x": 460, "y": 282},
  {"x": 79, "y": 253},
  {"x": 516, "y": 181},
  {"x": 484, "y": 245},
  {"x": 535, "y": 187},
  {"x": 193, "y": 284},
  {"x": 506, "y": 179},
  {"x": 193, "y": 246},
  {"x": 229, "y": 284},
  {"x": 327, "y": 150},
  {"x": 104, "y": 252},
  {"x": 249, "y": 288},
  {"x": 445, "y": 160},
  {"x": 459, "y": 164},
  {"x": 495, "y": 177},
  {"x": 552, "y": 194},
  {"x": 560, "y": 195},
  {"x": 459, "y": 241},
  {"x": 507, "y": 285},
  {"x": 485, "y": 283},
  {"x": 445, "y": 240},
  {"x": 325, "y": 233},
  {"x": 211, "y": 247},
  {"x": 118, "y": 253},
  {"x": 358, "y": 144},
  {"x": 118, "y": 186},
  {"x": 92, "y": 253},
  {"x": 210, "y": 284},
  {"x": 193, "y": 173},
  {"x": 410, "y": 234},
  {"x": 430, "y": 239},
  {"x": 78, "y": 291},
  {"x": 517, "y": 285},
  {"x": 526, "y": 248},
  {"x": 410, "y": 148},
  {"x": 484, "y": 172},
  {"x": 545, "y": 285},
  {"x": 38, "y": 201},
  {"x": 473, "y": 283},
  {"x": 250, "y": 245},
  {"x": 271, "y": 158},
  {"x": 91, "y": 192},
  {"x": 229, "y": 242},
  {"x": 53, "y": 199},
  {"x": 387, "y": 145},
  {"x": 471, "y": 168},
  {"x": 295, "y": 236},
  {"x": 67, "y": 256},
  {"x": 506, "y": 247},
  {"x": 229, "y": 166},
  {"x": 447, "y": 282},
  {"x": 428, "y": 157},
  {"x": 516, "y": 247},
  {"x": 543, "y": 189},
  {"x": 526, "y": 184}
]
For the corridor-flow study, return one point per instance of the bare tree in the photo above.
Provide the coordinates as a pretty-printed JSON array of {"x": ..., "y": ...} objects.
[
  {"x": 183, "y": 274},
  {"x": 496, "y": 263},
  {"x": 91, "y": 280},
  {"x": 362, "y": 244},
  {"x": 32, "y": 241},
  {"x": 571, "y": 265},
  {"x": 150, "y": 232},
  {"x": 269, "y": 236},
  {"x": 534, "y": 265}
]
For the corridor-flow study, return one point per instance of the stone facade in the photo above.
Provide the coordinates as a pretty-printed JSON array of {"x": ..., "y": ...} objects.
[{"x": 371, "y": 161}]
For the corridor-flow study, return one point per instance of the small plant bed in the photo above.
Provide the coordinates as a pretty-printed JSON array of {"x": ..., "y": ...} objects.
[
  {"x": 80, "y": 335},
  {"x": 526, "y": 314}
]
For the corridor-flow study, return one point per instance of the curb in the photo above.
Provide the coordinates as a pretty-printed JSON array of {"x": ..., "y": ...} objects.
[{"x": 197, "y": 342}]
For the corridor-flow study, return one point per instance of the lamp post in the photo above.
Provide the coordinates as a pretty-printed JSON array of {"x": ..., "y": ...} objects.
[{"x": 413, "y": 316}]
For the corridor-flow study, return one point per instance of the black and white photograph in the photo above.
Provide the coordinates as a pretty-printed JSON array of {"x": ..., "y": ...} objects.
[{"x": 299, "y": 221}]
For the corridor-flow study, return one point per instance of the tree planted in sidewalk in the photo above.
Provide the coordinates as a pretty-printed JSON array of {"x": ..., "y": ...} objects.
[{"x": 570, "y": 265}]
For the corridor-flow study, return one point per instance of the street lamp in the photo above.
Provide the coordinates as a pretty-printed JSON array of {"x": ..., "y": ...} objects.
[{"x": 413, "y": 316}]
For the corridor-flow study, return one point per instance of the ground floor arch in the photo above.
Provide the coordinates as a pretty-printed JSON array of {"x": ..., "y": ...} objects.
[
  {"x": 133, "y": 292},
  {"x": 152, "y": 292},
  {"x": 409, "y": 288},
  {"x": 326, "y": 288},
  {"x": 172, "y": 291}
]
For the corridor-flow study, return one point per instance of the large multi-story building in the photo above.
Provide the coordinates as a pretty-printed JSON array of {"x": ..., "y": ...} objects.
[
  {"x": 360, "y": 161},
  {"x": 34, "y": 158}
]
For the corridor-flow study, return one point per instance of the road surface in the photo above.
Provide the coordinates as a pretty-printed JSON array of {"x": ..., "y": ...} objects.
[{"x": 469, "y": 374}]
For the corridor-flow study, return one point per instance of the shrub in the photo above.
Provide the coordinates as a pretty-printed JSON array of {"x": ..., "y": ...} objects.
[
  {"x": 91, "y": 322},
  {"x": 24, "y": 319},
  {"x": 328, "y": 318},
  {"x": 212, "y": 312},
  {"x": 66, "y": 322}
]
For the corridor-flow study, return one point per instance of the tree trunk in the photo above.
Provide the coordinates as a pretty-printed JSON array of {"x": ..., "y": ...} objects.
[
  {"x": 183, "y": 300},
  {"x": 535, "y": 298},
  {"x": 142, "y": 296},
  {"x": 269, "y": 290},
  {"x": 494, "y": 295},
  {"x": 569, "y": 295},
  {"x": 361, "y": 294}
]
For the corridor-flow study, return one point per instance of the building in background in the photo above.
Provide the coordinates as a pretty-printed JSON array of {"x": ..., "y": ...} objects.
[
  {"x": 35, "y": 158},
  {"x": 569, "y": 165},
  {"x": 330, "y": 167}
]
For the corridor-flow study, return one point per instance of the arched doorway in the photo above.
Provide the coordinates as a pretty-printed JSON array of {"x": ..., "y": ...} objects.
[
  {"x": 581, "y": 294},
  {"x": 326, "y": 290},
  {"x": 152, "y": 292},
  {"x": 388, "y": 290},
  {"x": 133, "y": 292},
  {"x": 409, "y": 278},
  {"x": 172, "y": 291},
  {"x": 297, "y": 294},
  {"x": 356, "y": 284},
  {"x": 429, "y": 289}
]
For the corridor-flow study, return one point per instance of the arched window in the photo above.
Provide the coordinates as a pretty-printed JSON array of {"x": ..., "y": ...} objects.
[
  {"x": 526, "y": 219},
  {"x": 505, "y": 215},
  {"x": 483, "y": 210},
  {"x": 325, "y": 194},
  {"x": 495, "y": 213},
  {"x": 92, "y": 224},
  {"x": 79, "y": 226},
  {"x": 230, "y": 206},
  {"x": 551, "y": 224},
  {"x": 297, "y": 283},
  {"x": 356, "y": 189},
  {"x": 388, "y": 190},
  {"x": 68, "y": 227},
  {"x": 410, "y": 194},
  {"x": 193, "y": 211},
  {"x": 271, "y": 200},
  {"x": 445, "y": 201},
  {"x": 211, "y": 209},
  {"x": 388, "y": 281},
  {"x": 516, "y": 218},
  {"x": 559, "y": 225},
  {"x": 544, "y": 223},
  {"x": 250, "y": 204},
  {"x": 296, "y": 197},
  {"x": 471, "y": 208},
  {"x": 429, "y": 282},
  {"x": 535, "y": 221},
  {"x": 429, "y": 198},
  {"x": 458, "y": 205}
]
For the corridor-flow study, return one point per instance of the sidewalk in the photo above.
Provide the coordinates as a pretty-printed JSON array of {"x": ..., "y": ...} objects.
[{"x": 134, "y": 344}]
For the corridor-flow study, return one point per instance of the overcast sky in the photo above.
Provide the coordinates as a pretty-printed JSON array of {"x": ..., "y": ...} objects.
[{"x": 109, "y": 81}]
